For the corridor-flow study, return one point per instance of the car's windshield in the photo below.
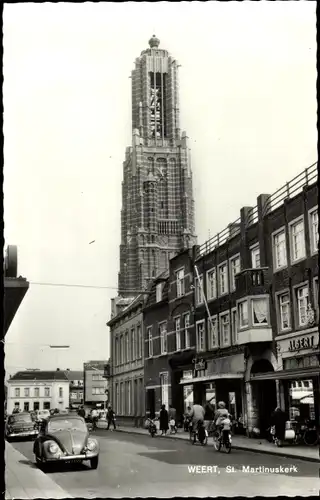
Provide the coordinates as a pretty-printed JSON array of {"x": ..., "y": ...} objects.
[
  {"x": 61, "y": 424},
  {"x": 25, "y": 417}
]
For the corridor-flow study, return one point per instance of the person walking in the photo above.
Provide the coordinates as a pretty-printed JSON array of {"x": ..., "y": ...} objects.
[
  {"x": 278, "y": 419},
  {"x": 111, "y": 418},
  {"x": 164, "y": 420}
]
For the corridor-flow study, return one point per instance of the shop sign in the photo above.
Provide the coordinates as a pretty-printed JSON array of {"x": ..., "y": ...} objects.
[
  {"x": 307, "y": 342},
  {"x": 229, "y": 364},
  {"x": 199, "y": 364}
]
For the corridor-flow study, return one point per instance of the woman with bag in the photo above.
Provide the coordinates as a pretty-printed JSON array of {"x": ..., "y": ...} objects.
[{"x": 164, "y": 420}]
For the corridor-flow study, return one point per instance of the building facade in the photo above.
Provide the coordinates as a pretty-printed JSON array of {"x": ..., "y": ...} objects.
[
  {"x": 38, "y": 390},
  {"x": 170, "y": 336},
  {"x": 95, "y": 384},
  {"x": 157, "y": 216},
  {"x": 127, "y": 365},
  {"x": 257, "y": 332},
  {"x": 76, "y": 390}
]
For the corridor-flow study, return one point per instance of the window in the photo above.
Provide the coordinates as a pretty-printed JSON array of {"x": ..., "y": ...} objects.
[
  {"x": 180, "y": 282},
  {"x": 121, "y": 398},
  {"x": 36, "y": 405},
  {"x": 26, "y": 392},
  {"x": 200, "y": 336},
  {"x": 243, "y": 314},
  {"x": 212, "y": 284},
  {"x": 255, "y": 257},
  {"x": 129, "y": 397},
  {"x": 297, "y": 241},
  {"x": 46, "y": 405},
  {"x": 36, "y": 392},
  {"x": 259, "y": 311},
  {"x": 223, "y": 279},
  {"x": 164, "y": 384},
  {"x": 47, "y": 392},
  {"x": 73, "y": 395},
  {"x": 198, "y": 290},
  {"x": 26, "y": 406},
  {"x": 234, "y": 326},
  {"x": 178, "y": 334},
  {"x": 60, "y": 392},
  {"x": 302, "y": 296},
  {"x": 213, "y": 332},
  {"x": 98, "y": 391},
  {"x": 279, "y": 249},
  {"x": 17, "y": 392},
  {"x": 187, "y": 330},
  {"x": 163, "y": 337},
  {"x": 225, "y": 329},
  {"x": 97, "y": 377},
  {"x": 284, "y": 311},
  {"x": 121, "y": 349},
  {"x": 150, "y": 342},
  {"x": 139, "y": 341},
  {"x": 235, "y": 269},
  {"x": 159, "y": 288},
  {"x": 117, "y": 399},
  {"x": 117, "y": 351},
  {"x": 314, "y": 233},
  {"x": 133, "y": 344},
  {"x": 127, "y": 347}
]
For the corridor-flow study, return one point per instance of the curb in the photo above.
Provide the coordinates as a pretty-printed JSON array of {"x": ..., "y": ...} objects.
[{"x": 239, "y": 447}]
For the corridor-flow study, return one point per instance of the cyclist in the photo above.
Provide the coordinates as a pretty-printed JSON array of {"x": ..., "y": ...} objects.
[
  {"x": 197, "y": 416},
  {"x": 221, "y": 415}
]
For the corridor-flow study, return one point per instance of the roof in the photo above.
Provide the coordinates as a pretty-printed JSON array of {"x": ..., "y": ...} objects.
[
  {"x": 74, "y": 375},
  {"x": 39, "y": 375}
]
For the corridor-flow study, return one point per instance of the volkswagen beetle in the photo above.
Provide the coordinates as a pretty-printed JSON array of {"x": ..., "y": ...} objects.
[{"x": 65, "y": 439}]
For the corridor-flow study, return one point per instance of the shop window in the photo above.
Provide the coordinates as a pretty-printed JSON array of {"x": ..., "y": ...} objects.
[
  {"x": 225, "y": 329},
  {"x": 279, "y": 249},
  {"x": 255, "y": 257},
  {"x": 234, "y": 327},
  {"x": 210, "y": 392},
  {"x": 259, "y": 311},
  {"x": 284, "y": 312},
  {"x": 200, "y": 329},
  {"x": 178, "y": 334},
  {"x": 302, "y": 299},
  {"x": 187, "y": 397},
  {"x": 213, "y": 332},
  {"x": 163, "y": 337},
  {"x": 301, "y": 401},
  {"x": 234, "y": 269},
  {"x": 243, "y": 314},
  {"x": 212, "y": 284},
  {"x": 180, "y": 282},
  {"x": 297, "y": 240},
  {"x": 187, "y": 334},
  {"x": 150, "y": 342},
  {"x": 164, "y": 385},
  {"x": 198, "y": 290},
  {"x": 223, "y": 278}
]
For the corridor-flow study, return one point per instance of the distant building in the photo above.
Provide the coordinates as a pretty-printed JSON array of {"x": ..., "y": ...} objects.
[
  {"x": 76, "y": 389},
  {"x": 96, "y": 384},
  {"x": 38, "y": 390}
]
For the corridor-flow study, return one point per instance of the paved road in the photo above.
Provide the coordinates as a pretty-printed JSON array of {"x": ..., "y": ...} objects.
[{"x": 135, "y": 465}]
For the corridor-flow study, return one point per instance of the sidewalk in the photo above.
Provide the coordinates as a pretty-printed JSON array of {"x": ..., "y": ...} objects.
[
  {"x": 309, "y": 453},
  {"x": 24, "y": 480}
]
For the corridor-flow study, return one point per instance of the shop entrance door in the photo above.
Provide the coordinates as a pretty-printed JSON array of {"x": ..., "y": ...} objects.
[
  {"x": 267, "y": 403},
  {"x": 151, "y": 402}
]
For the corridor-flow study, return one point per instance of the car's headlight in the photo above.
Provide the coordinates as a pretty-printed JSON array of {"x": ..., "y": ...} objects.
[
  {"x": 53, "y": 448},
  {"x": 91, "y": 445}
]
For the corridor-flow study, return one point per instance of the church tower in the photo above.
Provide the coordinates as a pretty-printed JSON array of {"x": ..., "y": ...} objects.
[{"x": 157, "y": 216}]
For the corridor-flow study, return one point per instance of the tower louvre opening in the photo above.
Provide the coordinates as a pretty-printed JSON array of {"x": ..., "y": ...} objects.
[{"x": 158, "y": 105}]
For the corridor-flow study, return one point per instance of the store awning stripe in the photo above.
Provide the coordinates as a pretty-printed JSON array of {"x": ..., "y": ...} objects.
[
  {"x": 208, "y": 378},
  {"x": 287, "y": 374}
]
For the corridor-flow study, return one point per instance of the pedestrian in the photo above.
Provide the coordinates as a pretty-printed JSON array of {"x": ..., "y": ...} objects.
[
  {"x": 94, "y": 417},
  {"x": 81, "y": 412},
  {"x": 278, "y": 419},
  {"x": 172, "y": 419},
  {"x": 164, "y": 420},
  {"x": 111, "y": 418}
]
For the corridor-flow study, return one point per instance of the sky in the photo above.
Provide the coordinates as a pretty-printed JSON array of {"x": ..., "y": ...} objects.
[{"x": 248, "y": 105}]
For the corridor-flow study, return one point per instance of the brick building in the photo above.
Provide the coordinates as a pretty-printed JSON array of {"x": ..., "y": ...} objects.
[
  {"x": 260, "y": 280},
  {"x": 95, "y": 384},
  {"x": 126, "y": 382},
  {"x": 76, "y": 390},
  {"x": 157, "y": 216}
]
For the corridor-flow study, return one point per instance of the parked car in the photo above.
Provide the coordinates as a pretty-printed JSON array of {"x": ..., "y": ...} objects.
[
  {"x": 65, "y": 438},
  {"x": 42, "y": 415},
  {"x": 20, "y": 425}
]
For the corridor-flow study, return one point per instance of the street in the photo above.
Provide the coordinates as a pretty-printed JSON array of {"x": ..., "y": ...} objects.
[{"x": 136, "y": 465}]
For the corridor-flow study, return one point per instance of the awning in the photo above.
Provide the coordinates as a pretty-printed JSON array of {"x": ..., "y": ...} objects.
[
  {"x": 313, "y": 371},
  {"x": 209, "y": 378}
]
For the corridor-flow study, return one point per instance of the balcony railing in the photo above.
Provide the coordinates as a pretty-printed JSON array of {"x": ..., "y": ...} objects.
[{"x": 252, "y": 281}]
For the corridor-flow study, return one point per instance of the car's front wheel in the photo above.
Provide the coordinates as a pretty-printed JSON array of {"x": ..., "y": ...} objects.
[{"x": 94, "y": 462}]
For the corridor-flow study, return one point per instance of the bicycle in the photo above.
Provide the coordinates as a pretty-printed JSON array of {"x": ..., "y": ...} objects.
[
  {"x": 307, "y": 435},
  {"x": 222, "y": 439},
  {"x": 200, "y": 433}
]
